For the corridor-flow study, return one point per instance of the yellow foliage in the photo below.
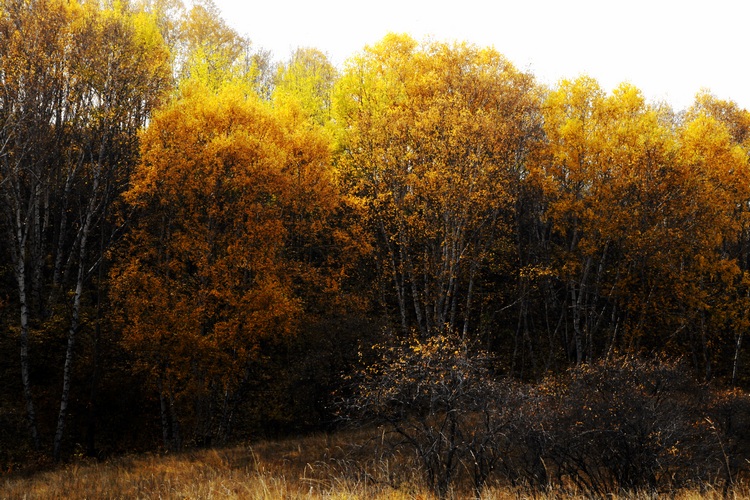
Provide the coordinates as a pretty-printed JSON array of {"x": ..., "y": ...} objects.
[{"x": 433, "y": 137}]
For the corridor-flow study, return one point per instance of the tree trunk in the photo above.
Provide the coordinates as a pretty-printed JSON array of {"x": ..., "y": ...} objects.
[
  {"x": 24, "y": 345},
  {"x": 164, "y": 415},
  {"x": 18, "y": 255},
  {"x": 75, "y": 316},
  {"x": 736, "y": 361}
]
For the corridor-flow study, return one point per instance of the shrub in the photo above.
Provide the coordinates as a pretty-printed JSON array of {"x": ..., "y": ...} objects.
[
  {"x": 440, "y": 396},
  {"x": 625, "y": 425}
]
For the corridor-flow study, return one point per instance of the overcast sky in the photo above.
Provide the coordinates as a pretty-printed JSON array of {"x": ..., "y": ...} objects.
[{"x": 669, "y": 49}]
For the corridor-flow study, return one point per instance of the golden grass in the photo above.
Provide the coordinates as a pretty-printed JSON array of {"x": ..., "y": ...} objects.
[{"x": 318, "y": 467}]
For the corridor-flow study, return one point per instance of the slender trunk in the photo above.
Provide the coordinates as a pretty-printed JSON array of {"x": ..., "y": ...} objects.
[
  {"x": 227, "y": 417},
  {"x": 407, "y": 260},
  {"x": 164, "y": 416},
  {"x": 398, "y": 281},
  {"x": 469, "y": 298},
  {"x": 432, "y": 293},
  {"x": 176, "y": 438},
  {"x": 68, "y": 368},
  {"x": 737, "y": 347},
  {"x": 170, "y": 430},
  {"x": 705, "y": 347},
  {"x": 613, "y": 339},
  {"x": 91, "y": 450},
  {"x": 57, "y": 273},
  {"x": 75, "y": 316},
  {"x": 37, "y": 255},
  {"x": 92, "y": 407},
  {"x": 18, "y": 256},
  {"x": 576, "y": 323},
  {"x": 736, "y": 361},
  {"x": 577, "y": 300},
  {"x": 514, "y": 356},
  {"x": 24, "y": 345}
]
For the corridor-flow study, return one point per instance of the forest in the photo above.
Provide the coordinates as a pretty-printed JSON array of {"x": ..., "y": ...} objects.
[{"x": 201, "y": 245}]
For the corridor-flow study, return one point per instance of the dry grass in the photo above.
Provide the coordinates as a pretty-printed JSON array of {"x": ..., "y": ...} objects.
[
  {"x": 319, "y": 467},
  {"x": 316, "y": 467}
]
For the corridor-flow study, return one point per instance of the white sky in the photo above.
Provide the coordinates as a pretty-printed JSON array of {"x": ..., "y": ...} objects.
[{"x": 669, "y": 49}]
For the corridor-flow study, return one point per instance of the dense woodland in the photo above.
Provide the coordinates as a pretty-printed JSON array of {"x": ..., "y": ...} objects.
[{"x": 201, "y": 245}]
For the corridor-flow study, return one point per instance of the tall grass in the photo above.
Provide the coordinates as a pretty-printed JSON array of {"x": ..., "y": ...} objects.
[{"x": 352, "y": 465}]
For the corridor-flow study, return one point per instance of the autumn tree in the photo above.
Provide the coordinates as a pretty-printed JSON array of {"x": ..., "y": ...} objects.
[
  {"x": 307, "y": 80},
  {"x": 599, "y": 154},
  {"x": 302, "y": 99},
  {"x": 638, "y": 209},
  {"x": 714, "y": 302},
  {"x": 31, "y": 78},
  {"x": 75, "y": 94},
  {"x": 432, "y": 137},
  {"x": 736, "y": 119},
  {"x": 226, "y": 184},
  {"x": 737, "y": 122},
  {"x": 208, "y": 48},
  {"x": 167, "y": 15}
]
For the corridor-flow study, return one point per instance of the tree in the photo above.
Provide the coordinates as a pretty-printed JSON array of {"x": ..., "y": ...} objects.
[
  {"x": 431, "y": 138},
  {"x": 737, "y": 123},
  {"x": 715, "y": 300},
  {"x": 638, "y": 212},
  {"x": 307, "y": 79},
  {"x": 127, "y": 76},
  {"x": 75, "y": 95},
  {"x": 208, "y": 48},
  {"x": 207, "y": 276},
  {"x": 736, "y": 119},
  {"x": 32, "y": 76},
  {"x": 598, "y": 174}
]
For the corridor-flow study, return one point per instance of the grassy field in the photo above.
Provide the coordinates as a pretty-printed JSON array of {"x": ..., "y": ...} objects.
[{"x": 318, "y": 467}]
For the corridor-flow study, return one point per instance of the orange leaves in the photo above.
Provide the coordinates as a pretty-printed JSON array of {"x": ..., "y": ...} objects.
[{"x": 229, "y": 196}]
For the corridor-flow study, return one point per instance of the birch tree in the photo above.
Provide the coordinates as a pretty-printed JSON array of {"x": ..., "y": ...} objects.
[
  {"x": 78, "y": 83},
  {"x": 433, "y": 134}
]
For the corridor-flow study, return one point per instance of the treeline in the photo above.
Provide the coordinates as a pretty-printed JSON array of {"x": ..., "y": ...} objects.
[{"x": 200, "y": 245}]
